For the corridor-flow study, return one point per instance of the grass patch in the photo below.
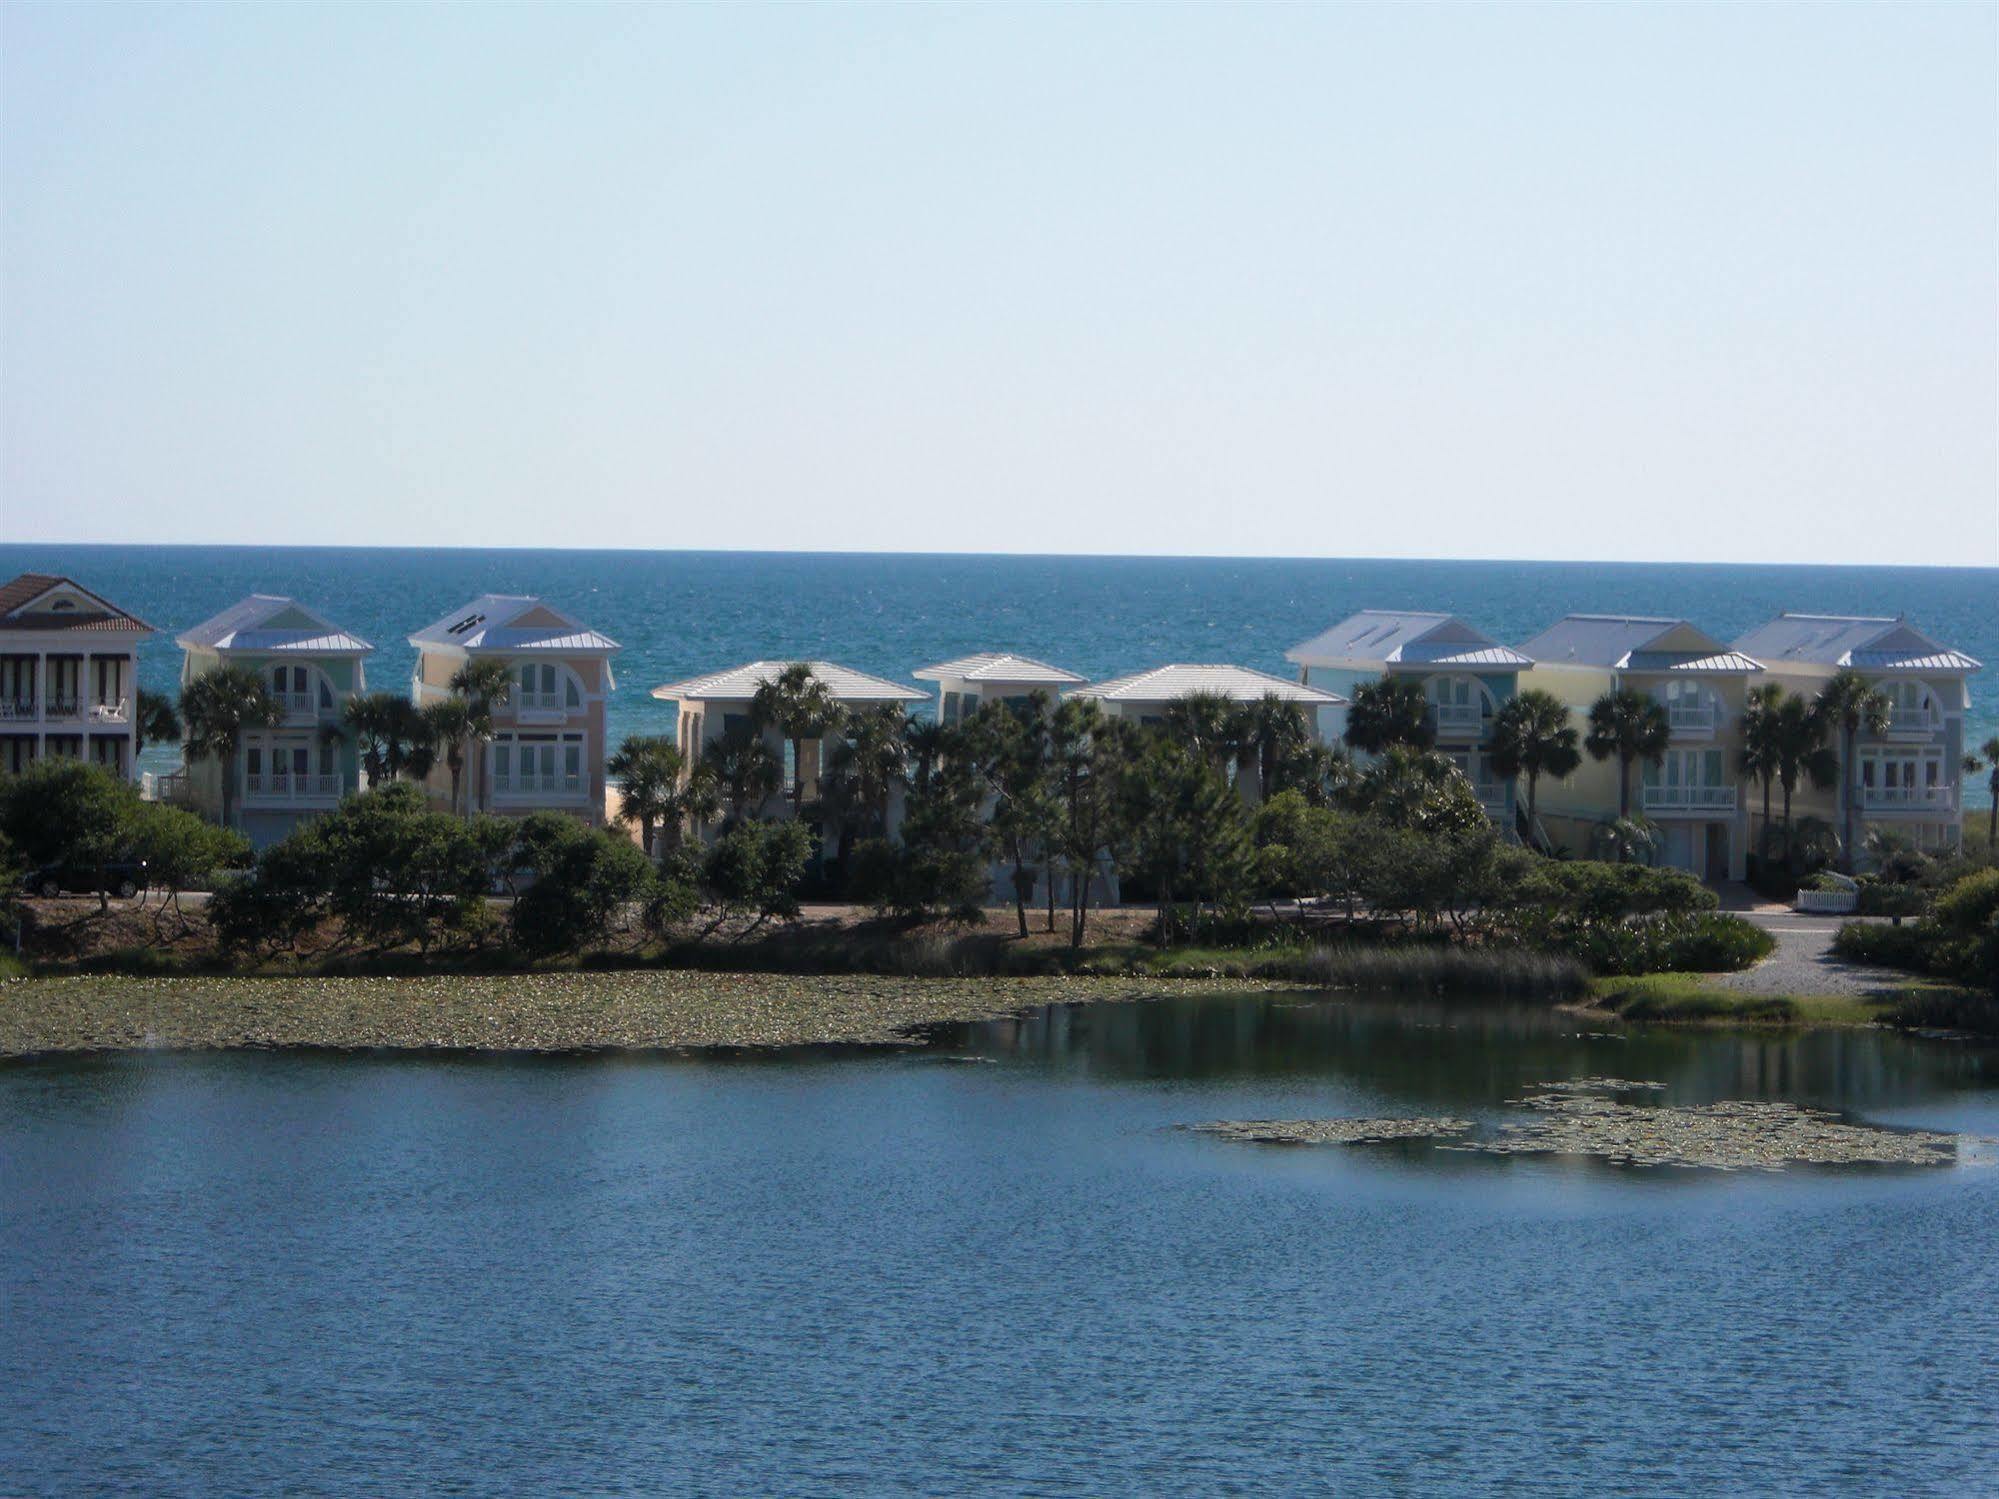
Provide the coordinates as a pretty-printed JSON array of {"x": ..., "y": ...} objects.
[{"x": 1694, "y": 999}]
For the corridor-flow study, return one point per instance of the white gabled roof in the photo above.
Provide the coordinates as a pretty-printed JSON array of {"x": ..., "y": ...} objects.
[
  {"x": 1866, "y": 642},
  {"x": 268, "y": 624},
  {"x": 1403, "y": 637},
  {"x": 998, "y": 666},
  {"x": 1165, "y": 684},
  {"x": 1635, "y": 642},
  {"x": 740, "y": 683},
  {"x": 508, "y": 624}
]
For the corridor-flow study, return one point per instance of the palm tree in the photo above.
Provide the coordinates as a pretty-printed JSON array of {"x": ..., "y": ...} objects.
[
  {"x": 924, "y": 741},
  {"x": 483, "y": 683},
  {"x": 1206, "y": 725},
  {"x": 218, "y": 707},
  {"x": 1394, "y": 710},
  {"x": 801, "y": 708},
  {"x": 1758, "y": 758},
  {"x": 393, "y": 736},
  {"x": 157, "y": 722},
  {"x": 1990, "y": 750},
  {"x": 449, "y": 722},
  {"x": 1532, "y": 736},
  {"x": 873, "y": 758},
  {"x": 1798, "y": 734},
  {"x": 1850, "y": 704},
  {"x": 1625, "y": 840},
  {"x": 1271, "y": 730},
  {"x": 1629, "y": 727},
  {"x": 658, "y": 789},
  {"x": 746, "y": 773}
]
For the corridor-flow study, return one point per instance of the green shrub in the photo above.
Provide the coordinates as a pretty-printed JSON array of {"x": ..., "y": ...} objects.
[
  {"x": 585, "y": 882},
  {"x": 1930, "y": 1009},
  {"x": 1704, "y": 943},
  {"x": 1886, "y": 946},
  {"x": 1899, "y": 901},
  {"x": 754, "y": 870},
  {"x": 1971, "y": 906}
]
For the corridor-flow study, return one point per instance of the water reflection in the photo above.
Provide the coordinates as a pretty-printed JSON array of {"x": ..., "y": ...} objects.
[{"x": 1463, "y": 1056}]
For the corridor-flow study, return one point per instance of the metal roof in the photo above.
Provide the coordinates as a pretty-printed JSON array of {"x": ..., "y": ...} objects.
[
  {"x": 997, "y": 666},
  {"x": 487, "y": 625},
  {"x": 1719, "y": 663},
  {"x": 1164, "y": 684},
  {"x": 244, "y": 629},
  {"x": 740, "y": 683},
  {"x": 1612, "y": 641},
  {"x": 19, "y": 596},
  {"x": 1868, "y": 641},
  {"x": 1407, "y": 637}
]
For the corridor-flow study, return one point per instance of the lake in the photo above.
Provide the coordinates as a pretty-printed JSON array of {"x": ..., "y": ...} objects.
[{"x": 987, "y": 1263}]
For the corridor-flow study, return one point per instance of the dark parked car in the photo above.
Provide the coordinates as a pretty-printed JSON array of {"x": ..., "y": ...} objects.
[{"x": 122, "y": 877}]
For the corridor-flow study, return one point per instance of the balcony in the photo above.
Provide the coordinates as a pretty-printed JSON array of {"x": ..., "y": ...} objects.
[
  {"x": 1491, "y": 796},
  {"x": 1691, "y": 718},
  {"x": 118, "y": 712},
  {"x": 20, "y": 710},
  {"x": 63, "y": 709},
  {"x": 285, "y": 786},
  {"x": 1689, "y": 798},
  {"x": 1458, "y": 720},
  {"x": 518, "y": 784},
  {"x": 296, "y": 705},
  {"x": 1909, "y": 798},
  {"x": 1916, "y": 723},
  {"x": 538, "y": 707}
]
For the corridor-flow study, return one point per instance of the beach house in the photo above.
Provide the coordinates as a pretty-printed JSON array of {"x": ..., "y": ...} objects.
[
  {"x": 69, "y": 675},
  {"x": 547, "y": 748},
  {"x": 304, "y": 764},
  {"x": 967, "y": 683},
  {"x": 1466, "y": 675},
  {"x": 716, "y": 710},
  {"x": 1144, "y": 697},
  {"x": 1907, "y": 778},
  {"x": 1694, "y": 795}
]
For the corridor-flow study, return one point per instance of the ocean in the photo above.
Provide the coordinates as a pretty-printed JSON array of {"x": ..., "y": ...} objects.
[{"x": 680, "y": 613}]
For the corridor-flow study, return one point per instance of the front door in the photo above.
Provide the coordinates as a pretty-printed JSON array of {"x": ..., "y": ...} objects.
[{"x": 1717, "y": 853}]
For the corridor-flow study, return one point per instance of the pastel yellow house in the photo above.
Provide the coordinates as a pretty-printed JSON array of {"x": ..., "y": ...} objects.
[
  {"x": 1696, "y": 797},
  {"x": 547, "y": 750}
]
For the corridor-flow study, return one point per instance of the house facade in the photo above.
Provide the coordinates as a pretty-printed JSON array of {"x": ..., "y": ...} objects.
[
  {"x": 303, "y": 765},
  {"x": 69, "y": 675},
  {"x": 547, "y": 750},
  {"x": 1696, "y": 797},
  {"x": 1466, "y": 675},
  {"x": 1907, "y": 780},
  {"x": 719, "y": 704},
  {"x": 967, "y": 683}
]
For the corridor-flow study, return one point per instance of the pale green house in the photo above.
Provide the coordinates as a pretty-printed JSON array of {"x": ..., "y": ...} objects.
[{"x": 304, "y": 765}]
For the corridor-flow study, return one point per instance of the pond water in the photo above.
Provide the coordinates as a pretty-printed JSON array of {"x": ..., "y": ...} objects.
[{"x": 987, "y": 1265}]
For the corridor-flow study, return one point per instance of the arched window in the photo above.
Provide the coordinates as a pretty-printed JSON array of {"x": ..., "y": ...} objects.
[
  {"x": 301, "y": 689},
  {"x": 546, "y": 687},
  {"x": 1460, "y": 704}
]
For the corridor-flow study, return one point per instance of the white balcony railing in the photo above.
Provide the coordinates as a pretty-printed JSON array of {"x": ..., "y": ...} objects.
[
  {"x": 533, "y": 783},
  {"x": 1458, "y": 719},
  {"x": 296, "y": 704},
  {"x": 1689, "y": 798},
  {"x": 110, "y": 712},
  {"x": 1924, "y": 798},
  {"x": 288, "y": 786},
  {"x": 1690, "y": 718}
]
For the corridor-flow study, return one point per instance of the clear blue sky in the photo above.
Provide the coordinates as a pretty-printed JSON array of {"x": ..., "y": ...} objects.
[{"x": 1714, "y": 283}]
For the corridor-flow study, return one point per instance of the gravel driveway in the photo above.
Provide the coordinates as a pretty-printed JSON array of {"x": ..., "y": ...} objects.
[{"x": 1803, "y": 962}]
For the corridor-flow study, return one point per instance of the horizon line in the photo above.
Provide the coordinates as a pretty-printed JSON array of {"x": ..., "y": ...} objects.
[{"x": 325, "y": 546}]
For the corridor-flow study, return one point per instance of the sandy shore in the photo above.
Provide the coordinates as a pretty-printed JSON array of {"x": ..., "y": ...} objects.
[{"x": 650, "y": 1010}]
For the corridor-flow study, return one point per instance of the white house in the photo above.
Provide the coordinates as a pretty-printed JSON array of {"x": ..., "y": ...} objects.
[
  {"x": 967, "y": 683},
  {"x": 69, "y": 675},
  {"x": 547, "y": 751},
  {"x": 1144, "y": 696},
  {"x": 719, "y": 703}
]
